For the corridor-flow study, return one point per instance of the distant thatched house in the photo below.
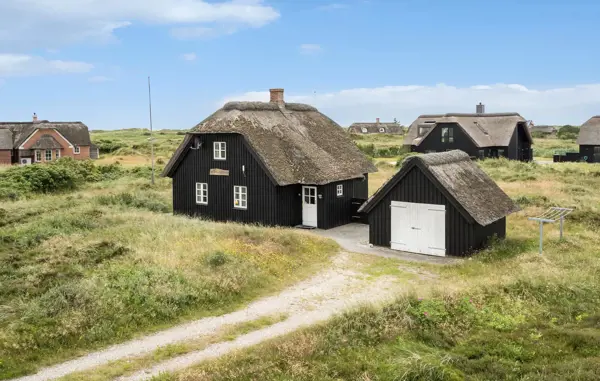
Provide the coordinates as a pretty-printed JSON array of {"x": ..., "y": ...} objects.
[
  {"x": 40, "y": 141},
  {"x": 438, "y": 204},
  {"x": 542, "y": 130},
  {"x": 589, "y": 140},
  {"x": 376, "y": 128},
  {"x": 480, "y": 135},
  {"x": 273, "y": 163}
]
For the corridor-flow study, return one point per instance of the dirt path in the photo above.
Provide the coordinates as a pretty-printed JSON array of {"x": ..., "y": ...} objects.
[{"x": 307, "y": 302}]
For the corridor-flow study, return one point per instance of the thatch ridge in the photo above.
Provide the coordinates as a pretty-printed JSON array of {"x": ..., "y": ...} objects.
[{"x": 266, "y": 106}]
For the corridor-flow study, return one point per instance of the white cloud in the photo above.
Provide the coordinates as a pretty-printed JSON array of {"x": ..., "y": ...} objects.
[
  {"x": 332, "y": 7},
  {"x": 202, "y": 32},
  {"x": 189, "y": 57},
  {"x": 310, "y": 48},
  {"x": 99, "y": 79},
  {"x": 50, "y": 23},
  {"x": 17, "y": 65},
  {"x": 565, "y": 105}
]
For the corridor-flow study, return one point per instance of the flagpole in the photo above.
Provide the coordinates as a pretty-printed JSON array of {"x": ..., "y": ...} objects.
[{"x": 151, "y": 137}]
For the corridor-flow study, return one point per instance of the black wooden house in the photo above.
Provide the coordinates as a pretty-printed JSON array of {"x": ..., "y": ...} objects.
[
  {"x": 438, "y": 204},
  {"x": 589, "y": 140},
  {"x": 272, "y": 163},
  {"x": 481, "y": 135}
]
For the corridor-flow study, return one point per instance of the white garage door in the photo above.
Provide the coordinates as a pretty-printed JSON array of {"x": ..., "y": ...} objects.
[{"x": 418, "y": 228}]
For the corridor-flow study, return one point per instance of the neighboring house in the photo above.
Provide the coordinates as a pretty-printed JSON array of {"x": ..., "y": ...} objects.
[
  {"x": 543, "y": 130},
  {"x": 480, "y": 135},
  {"x": 438, "y": 204},
  {"x": 42, "y": 141},
  {"x": 272, "y": 163},
  {"x": 376, "y": 128},
  {"x": 589, "y": 140}
]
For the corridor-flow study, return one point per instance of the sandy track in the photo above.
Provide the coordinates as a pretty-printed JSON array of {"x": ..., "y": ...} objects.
[{"x": 307, "y": 302}]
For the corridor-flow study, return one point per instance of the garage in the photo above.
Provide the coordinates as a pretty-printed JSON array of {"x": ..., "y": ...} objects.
[
  {"x": 438, "y": 204},
  {"x": 418, "y": 228}
]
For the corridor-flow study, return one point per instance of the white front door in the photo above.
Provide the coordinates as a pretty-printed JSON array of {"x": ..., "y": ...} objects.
[
  {"x": 418, "y": 228},
  {"x": 309, "y": 206}
]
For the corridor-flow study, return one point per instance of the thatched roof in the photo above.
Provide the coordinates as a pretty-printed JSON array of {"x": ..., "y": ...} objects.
[
  {"x": 6, "y": 139},
  {"x": 589, "y": 133},
  {"x": 543, "y": 129},
  {"x": 75, "y": 132},
  {"x": 471, "y": 189},
  {"x": 295, "y": 142},
  {"x": 375, "y": 128},
  {"x": 46, "y": 142},
  {"x": 486, "y": 130}
]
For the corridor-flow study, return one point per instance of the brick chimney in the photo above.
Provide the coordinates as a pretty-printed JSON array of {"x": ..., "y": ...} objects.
[
  {"x": 35, "y": 118},
  {"x": 377, "y": 119},
  {"x": 276, "y": 96}
]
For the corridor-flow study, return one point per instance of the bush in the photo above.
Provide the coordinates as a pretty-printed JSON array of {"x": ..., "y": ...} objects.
[
  {"x": 62, "y": 175},
  {"x": 108, "y": 146},
  {"x": 568, "y": 132}
]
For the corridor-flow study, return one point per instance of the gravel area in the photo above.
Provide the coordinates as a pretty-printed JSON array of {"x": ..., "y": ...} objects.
[{"x": 307, "y": 302}]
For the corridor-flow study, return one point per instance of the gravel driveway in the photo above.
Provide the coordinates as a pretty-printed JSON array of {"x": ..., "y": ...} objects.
[{"x": 307, "y": 302}]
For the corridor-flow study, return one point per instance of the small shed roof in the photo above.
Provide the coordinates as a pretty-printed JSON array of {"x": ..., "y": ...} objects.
[
  {"x": 589, "y": 133},
  {"x": 294, "y": 142},
  {"x": 470, "y": 189},
  {"x": 486, "y": 130}
]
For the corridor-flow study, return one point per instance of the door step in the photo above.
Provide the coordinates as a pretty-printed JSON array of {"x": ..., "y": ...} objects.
[{"x": 304, "y": 227}]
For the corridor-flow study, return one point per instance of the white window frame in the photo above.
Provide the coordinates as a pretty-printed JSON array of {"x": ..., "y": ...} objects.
[
  {"x": 240, "y": 197},
  {"x": 202, "y": 193},
  {"x": 363, "y": 130},
  {"x": 38, "y": 156},
  {"x": 340, "y": 190},
  {"x": 381, "y": 129},
  {"x": 76, "y": 150},
  {"x": 48, "y": 151},
  {"x": 57, "y": 153},
  {"x": 219, "y": 151}
]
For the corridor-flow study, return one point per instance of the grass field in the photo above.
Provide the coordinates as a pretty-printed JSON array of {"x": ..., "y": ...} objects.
[
  {"x": 100, "y": 263},
  {"x": 91, "y": 255},
  {"x": 507, "y": 314}
]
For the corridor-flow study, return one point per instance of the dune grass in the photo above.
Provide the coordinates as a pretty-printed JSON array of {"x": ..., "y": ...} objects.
[
  {"x": 508, "y": 313},
  {"x": 96, "y": 266}
]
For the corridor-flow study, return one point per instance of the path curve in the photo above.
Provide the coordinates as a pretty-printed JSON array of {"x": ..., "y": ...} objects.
[{"x": 312, "y": 300}]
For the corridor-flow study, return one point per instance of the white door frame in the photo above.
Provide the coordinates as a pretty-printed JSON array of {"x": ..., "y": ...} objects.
[
  {"x": 309, "y": 206},
  {"x": 418, "y": 228}
]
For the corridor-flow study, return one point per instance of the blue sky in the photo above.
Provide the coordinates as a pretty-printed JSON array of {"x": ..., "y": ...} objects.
[{"x": 355, "y": 60}]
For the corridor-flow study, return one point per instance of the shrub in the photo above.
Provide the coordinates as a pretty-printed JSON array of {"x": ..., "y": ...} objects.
[
  {"x": 108, "y": 146},
  {"x": 568, "y": 132},
  {"x": 216, "y": 259},
  {"x": 62, "y": 175},
  {"x": 148, "y": 201}
]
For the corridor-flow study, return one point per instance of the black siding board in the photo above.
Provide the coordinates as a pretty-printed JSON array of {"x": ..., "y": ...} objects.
[
  {"x": 333, "y": 210},
  {"x": 361, "y": 187},
  {"x": 433, "y": 141},
  {"x": 263, "y": 198},
  {"x": 588, "y": 151},
  {"x": 484, "y": 233},
  {"x": 416, "y": 187}
]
